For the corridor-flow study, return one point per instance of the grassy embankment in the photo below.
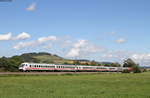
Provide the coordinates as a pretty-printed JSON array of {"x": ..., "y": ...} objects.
[{"x": 76, "y": 86}]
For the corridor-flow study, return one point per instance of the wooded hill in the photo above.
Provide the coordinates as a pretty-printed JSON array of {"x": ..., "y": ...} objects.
[{"x": 12, "y": 63}]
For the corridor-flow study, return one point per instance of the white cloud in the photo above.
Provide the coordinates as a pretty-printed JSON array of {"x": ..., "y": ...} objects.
[
  {"x": 22, "y": 36},
  {"x": 116, "y": 55},
  {"x": 121, "y": 40},
  {"x": 66, "y": 43},
  {"x": 75, "y": 51},
  {"x": 38, "y": 42},
  {"x": 6, "y": 36},
  {"x": 80, "y": 43},
  {"x": 45, "y": 39},
  {"x": 21, "y": 45},
  {"x": 31, "y": 7},
  {"x": 9, "y": 36},
  {"x": 142, "y": 58},
  {"x": 82, "y": 48}
]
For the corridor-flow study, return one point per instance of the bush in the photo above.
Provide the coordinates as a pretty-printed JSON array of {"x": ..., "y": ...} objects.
[
  {"x": 126, "y": 71},
  {"x": 137, "y": 69}
]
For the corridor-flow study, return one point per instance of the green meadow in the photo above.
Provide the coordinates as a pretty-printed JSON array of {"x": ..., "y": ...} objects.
[{"x": 102, "y": 85}]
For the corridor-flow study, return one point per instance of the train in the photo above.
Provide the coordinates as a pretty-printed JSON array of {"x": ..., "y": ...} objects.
[{"x": 70, "y": 68}]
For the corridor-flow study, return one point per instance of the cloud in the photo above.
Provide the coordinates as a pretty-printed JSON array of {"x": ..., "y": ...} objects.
[
  {"x": 82, "y": 48},
  {"x": 45, "y": 39},
  {"x": 74, "y": 52},
  {"x": 121, "y": 40},
  {"x": 31, "y": 7},
  {"x": 6, "y": 36},
  {"x": 117, "y": 55},
  {"x": 142, "y": 58},
  {"x": 22, "y": 36},
  {"x": 21, "y": 45},
  {"x": 66, "y": 43},
  {"x": 37, "y": 42}
]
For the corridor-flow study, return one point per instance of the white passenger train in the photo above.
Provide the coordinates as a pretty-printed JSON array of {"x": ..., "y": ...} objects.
[{"x": 58, "y": 67}]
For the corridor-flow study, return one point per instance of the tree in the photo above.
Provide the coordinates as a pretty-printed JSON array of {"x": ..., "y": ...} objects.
[
  {"x": 66, "y": 63},
  {"x": 76, "y": 62},
  {"x": 116, "y": 64},
  {"x": 129, "y": 63},
  {"x": 136, "y": 69},
  {"x": 93, "y": 63}
]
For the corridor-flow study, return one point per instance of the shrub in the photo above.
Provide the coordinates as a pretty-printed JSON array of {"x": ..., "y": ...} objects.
[
  {"x": 137, "y": 69},
  {"x": 126, "y": 71}
]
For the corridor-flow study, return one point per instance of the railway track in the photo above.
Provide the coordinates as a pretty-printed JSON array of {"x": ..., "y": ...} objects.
[{"x": 49, "y": 73}]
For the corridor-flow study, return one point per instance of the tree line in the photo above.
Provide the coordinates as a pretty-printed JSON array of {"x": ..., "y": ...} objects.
[{"x": 12, "y": 64}]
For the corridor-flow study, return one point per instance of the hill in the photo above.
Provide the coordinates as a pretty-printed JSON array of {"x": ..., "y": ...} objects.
[
  {"x": 12, "y": 63},
  {"x": 42, "y": 57}
]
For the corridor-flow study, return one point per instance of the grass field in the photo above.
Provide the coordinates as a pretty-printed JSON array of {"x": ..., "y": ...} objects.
[{"x": 76, "y": 86}]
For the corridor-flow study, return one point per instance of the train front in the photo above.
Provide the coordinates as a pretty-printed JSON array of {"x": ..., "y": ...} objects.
[{"x": 22, "y": 67}]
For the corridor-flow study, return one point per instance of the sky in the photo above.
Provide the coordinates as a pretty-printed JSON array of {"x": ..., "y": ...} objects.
[{"x": 101, "y": 30}]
